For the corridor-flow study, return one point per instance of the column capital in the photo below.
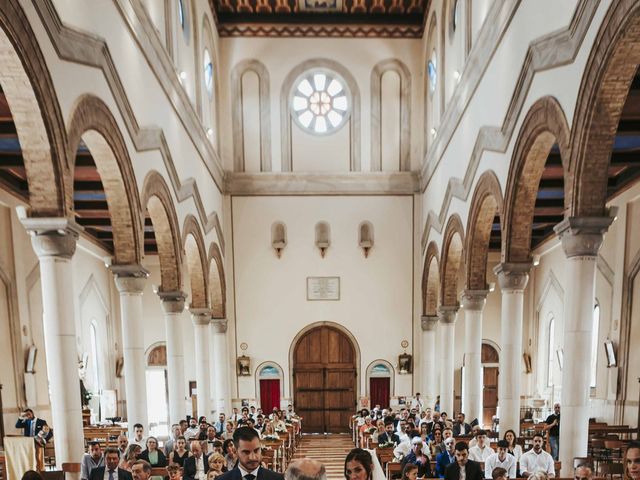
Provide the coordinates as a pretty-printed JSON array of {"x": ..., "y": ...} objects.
[
  {"x": 474, "y": 299},
  {"x": 429, "y": 323},
  {"x": 130, "y": 279},
  {"x": 200, "y": 316},
  {"x": 51, "y": 236},
  {"x": 172, "y": 302},
  {"x": 583, "y": 236},
  {"x": 219, "y": 324},
  {"x": 448, "y": 314},
  {"x": 512, "y": 276}
]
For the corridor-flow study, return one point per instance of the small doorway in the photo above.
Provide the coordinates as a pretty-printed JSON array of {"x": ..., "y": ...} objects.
[
  {"x": 490, "y": 372},
  {"x": 269, "y": 384},
  {"x": 157, "y": 392},
  {"x": 380, "y": 376}
]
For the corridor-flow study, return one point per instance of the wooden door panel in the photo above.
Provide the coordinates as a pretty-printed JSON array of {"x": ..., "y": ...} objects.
[{"x": 489, "y": 394}]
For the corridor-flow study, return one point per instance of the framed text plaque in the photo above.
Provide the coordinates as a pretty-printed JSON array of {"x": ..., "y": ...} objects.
[{"x": 323, "y": 288}]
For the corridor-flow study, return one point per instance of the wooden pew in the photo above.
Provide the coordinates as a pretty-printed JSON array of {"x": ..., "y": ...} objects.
[{"x": 3, "y": 467}]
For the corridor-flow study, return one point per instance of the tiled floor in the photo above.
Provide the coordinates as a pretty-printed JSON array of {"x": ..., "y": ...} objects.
[{"x": 331, "y": 450}]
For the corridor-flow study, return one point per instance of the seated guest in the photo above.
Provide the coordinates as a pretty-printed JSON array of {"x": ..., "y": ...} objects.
[
  {"x": 259, "y": 426},
  {"x": 130, "y": 457},
  {"x": 141, "y": 470},
  {"x": 536, "y": 459},
  {"x": 123, "y": 444},
  {"x": 472, "y": 470},
  {"x": 229, "y": 452},
  {"x": 247, "y": 443},
  {"x": 499, "y": 473},
  {"x": 152, "y": 455},
  {"x": 110, "y": 470},
  {"x": 211, "y": 438},
  {"x": 91, "y": 460},
  {"x": 436, "y": 446},
  {"x": 228, "y": 432},
  {"x": 196, "y": 466},
  {"x": 460, "y": 427},
  {"x": 513, "y": 448},
  {"x": 481, "y": 451},
  {"x": 180, "y": 453},
  {"x": 474, "y": 431},
  {"x": 445, "y": 458},
  {"x": 202, "y": 432},
  {"x": 217, "y": 466},
  {"x": 169, "y": 445},
  {"x": 584, "y": 471},
  {"x": 364, "y": 428},
  {"x": 220, "y": 424},
  {"x": 410, "y": 472},
  {"x": 500, "y": 459},
  {"x": 193, "y": 431},
  {"x": 270, "y": 432},
  {"x": 174, "y": 471},
  {"x": 138, "y": 435},
  {"x": 417, "y": 457}
]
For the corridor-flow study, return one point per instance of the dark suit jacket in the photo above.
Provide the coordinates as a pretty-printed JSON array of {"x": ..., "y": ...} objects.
[
  {"x": 472, "y": 470},
  {"x": 424, "y": 470},
  {"x": 461, "y": 429},
  {"x": 98, "y": 474},
  {"x": 384, "y": 438},
  {"x": 162, "y": 460},
  {"x": 190, "y": 467},
  {"x": 25, "y": 425},
  {"x": 442, "y": 461},
  {"x": 263, "y": 474}
]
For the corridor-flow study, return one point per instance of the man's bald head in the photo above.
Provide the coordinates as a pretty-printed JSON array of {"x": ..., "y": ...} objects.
[{"x": 305, "y": 469}]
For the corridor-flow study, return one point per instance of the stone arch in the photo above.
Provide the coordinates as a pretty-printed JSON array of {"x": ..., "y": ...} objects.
[
  {"x": 608, "y": 75},
  {"x": 157, "y": 200},
  {"x": 544, "y": 125},
  {"x": 217, "y": 283},
  {"x": 285, "y": 111},
  {"x": 32, "y": 98},
  {"x": 390, "y": 65},
  {"x": 430, "y": 281},
  {"x": 452, "y": 243},
  {"x": 485, "y": 204},
  {"x": 92, "y": 122},
  {"x": 196, "y": 257}
]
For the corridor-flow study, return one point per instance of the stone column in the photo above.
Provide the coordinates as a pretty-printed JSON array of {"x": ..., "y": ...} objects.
[
  {"x": 54, "y": 242},
  {"x": 173, "y": 306},
  {"x": 213, "y": 391},
  {"x": 430, "y": 387},
  {"x": 201, "y": 318},
  {"x": 581, "y": 239},
  {"x": 130, "y": 281},
  {"x": 473, "y": 302},
  {"x": 512, "y": 278},
  {"x": 447, "y": 317},
  {"x": 221, "y": 364}
]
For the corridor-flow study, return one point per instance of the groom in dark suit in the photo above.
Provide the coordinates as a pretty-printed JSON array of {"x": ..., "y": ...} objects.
[
  {"x": 472, "y": 470},
  {"x": 247, "y": 443}
]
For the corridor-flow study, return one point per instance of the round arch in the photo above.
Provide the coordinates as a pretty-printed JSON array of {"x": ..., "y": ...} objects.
[
  {"x": 217, "y": 282},
  {"x": 193, "y": 242},
  {"x": 451, "y": 263},
  {"x": 430, "y": 281},
  {"x": 156, "y": 355},
  {"x": 544, "y": 125},
  {"x": 157, "y": 201},
  {"x": 91, "y": 121},
  {"x": 258, "y": 376},
  {"x": 370, "y": 373},
  {"x": 486, "y": 203}
]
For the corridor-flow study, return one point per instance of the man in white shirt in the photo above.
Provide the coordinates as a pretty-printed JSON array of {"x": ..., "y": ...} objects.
[
  {"x": 417, "y": 403},
  {"x": 537, "y": 460},
  {"x": 480, "y": 452},
  {"x": 91, "y": 460},
  {"x": 500, "y": 459},
  {"x": 138, "y": 436},
  {"x": 193, "y": 431}
]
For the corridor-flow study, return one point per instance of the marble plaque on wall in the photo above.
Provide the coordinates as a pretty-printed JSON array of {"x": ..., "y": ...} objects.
[{"x": 323, "y": 288}]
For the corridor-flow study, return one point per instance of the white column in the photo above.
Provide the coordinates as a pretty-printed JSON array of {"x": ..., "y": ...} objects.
[
  {"x": 447, "y": 317},
  {"x": 173, "y": 306},
  {"x": 213, "y": 391},
  {"x": 430, "y": 386},
  {"x": 201, "y": 318},
  {"x": 130, "y": 281},
  {"x": 473, "y": 302},
  {"x": 54, "y": 242},
  {"x": 221, "y": 365},
  {"x": 581, "y": 239},
  {"x": 512, "y": 278}
]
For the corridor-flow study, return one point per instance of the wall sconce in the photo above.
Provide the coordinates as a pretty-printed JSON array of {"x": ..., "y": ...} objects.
[
  {"x": 323, "y": 237},
  {"x": 365, "y": 237},
  {"x": 278, "y": 237}
]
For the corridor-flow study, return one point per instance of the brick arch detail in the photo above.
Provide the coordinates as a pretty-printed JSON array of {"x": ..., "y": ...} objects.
[
  {"x": 544, "y": 125},
  {"x": 196, "y": 257},
  {"x": 92, "y": 121},
  {"x": 452, "y": 246},
  {"x": 217, "y": 283},
  {"x": 39, "y": 122},
  {"x": 157, "y": 200},
  {"x": 485, "y": 204},
  {"x": 608, "y": 75},
  {"x": 430, "y": 281}
]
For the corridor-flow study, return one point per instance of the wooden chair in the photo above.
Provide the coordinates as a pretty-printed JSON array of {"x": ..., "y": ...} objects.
[{"x": 610, "y": 470}]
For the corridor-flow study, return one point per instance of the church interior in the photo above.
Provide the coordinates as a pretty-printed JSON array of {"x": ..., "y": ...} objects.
[{"x": 330, "y": 204}]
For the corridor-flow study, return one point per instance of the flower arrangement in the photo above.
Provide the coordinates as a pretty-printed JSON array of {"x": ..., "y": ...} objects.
[
  {"x": 271, "y": 437},
  {"x": 371, "y": 430},
  {"x": 387, "y": 445}
]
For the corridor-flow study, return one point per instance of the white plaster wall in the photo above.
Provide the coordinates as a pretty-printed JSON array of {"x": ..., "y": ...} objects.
[{"x": 270, "y": 293}]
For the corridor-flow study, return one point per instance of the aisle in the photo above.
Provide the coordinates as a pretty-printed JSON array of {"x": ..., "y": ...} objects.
[{"x": 331, "y": 450}]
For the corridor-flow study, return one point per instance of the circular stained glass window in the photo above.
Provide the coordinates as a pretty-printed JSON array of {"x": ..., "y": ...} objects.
[
  {"x": 208, "y": 72},
  {"x": 432, "y": 72},
  {"x": 320, "y": 103}
]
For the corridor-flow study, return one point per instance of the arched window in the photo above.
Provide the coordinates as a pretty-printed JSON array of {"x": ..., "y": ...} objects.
[
  {"x": 550, "y": 351},
  {"x": 95, "y": 365},
  {"x": 594, "y": 344},
  {"x": 208, "y": 72},
  {"x": 432, "y": 72},
  {"x": 157, "y": 393}
]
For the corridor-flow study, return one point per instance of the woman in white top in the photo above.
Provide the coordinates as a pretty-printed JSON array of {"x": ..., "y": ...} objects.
[{"x": 514, "y": 449}]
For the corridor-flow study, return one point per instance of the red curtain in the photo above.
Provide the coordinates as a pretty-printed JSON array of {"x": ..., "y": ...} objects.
[
  {"x": 380, "y": 391},
  {"x": 269, "y": 395}
]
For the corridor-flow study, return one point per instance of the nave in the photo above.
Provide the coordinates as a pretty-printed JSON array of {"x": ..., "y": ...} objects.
[{"x": 330, "y": 449}]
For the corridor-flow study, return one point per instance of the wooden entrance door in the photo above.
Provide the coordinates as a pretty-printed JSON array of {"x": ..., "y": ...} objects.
[
  {"x": 490, "y": 381},
  {"x": 324, "y": 378}
]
